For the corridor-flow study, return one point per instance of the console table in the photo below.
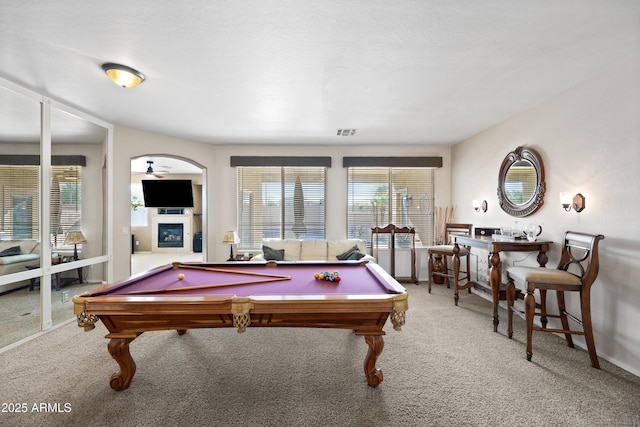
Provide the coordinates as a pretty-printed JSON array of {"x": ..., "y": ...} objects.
[{"x": 494, "y": 247}]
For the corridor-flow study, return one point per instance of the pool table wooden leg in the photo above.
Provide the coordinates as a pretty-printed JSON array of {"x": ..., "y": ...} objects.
[
  {"x": 119, "y": 350},
  {"x": 373, "y": 374}
]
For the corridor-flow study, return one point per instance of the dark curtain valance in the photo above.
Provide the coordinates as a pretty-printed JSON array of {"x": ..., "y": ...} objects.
[
  {"x": 392, "y": 162},
  {"x": 280, "y": 161},
  {"x": 34, "y": 160}
]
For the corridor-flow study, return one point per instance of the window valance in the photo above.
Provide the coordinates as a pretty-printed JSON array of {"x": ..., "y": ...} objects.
[
  {"x": 282, "y": 161},
  {"x": 34, "y": 160},
  {"x": 392, "y": 162}
]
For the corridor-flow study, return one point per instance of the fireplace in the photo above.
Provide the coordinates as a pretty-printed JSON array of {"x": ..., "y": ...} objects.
[{"x": 170, "y": 235}]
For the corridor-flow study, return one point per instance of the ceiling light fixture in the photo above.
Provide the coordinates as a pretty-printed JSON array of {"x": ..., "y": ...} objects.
[{"x": 122, "y": 75}]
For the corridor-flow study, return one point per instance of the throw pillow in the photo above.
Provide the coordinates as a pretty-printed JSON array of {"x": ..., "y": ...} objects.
[
  {"x": 14, "y": 250},
  {"x": 271, "y": 254},
  {"x": 356, "y": 255},
  {"x": 350, "y": 254}
]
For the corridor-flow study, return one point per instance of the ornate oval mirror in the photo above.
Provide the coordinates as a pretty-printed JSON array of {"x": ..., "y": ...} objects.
[{"x": 521, "y": 183}]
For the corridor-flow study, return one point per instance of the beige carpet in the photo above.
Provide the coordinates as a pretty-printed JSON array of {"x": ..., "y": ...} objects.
[
  {"x": 20, "y": 310},
  {"x": 445, "y": 368}
]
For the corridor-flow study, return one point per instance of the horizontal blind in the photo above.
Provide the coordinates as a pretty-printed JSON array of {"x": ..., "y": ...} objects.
[
  {"x": 19, "y": 203},
  {"x": 381, "y": 196},
  {"x": 66, "y": 202},
  {"x": 280, "y": 202}
]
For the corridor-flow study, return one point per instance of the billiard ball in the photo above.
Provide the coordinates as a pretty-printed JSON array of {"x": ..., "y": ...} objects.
[{"x": 180, "y": 276}]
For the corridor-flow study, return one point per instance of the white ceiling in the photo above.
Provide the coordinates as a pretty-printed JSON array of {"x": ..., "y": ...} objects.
[
  {"x": 295, "y": 71},
  {"x": 162, "y": 167}
]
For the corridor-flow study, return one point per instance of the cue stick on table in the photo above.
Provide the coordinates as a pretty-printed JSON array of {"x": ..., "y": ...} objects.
[
  {"x": 213, "y": 285},
  {"x": 224, "y": 270}
]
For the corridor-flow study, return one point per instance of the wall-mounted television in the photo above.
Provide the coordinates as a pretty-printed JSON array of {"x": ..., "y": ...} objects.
[{"x": 167, "y": 193}]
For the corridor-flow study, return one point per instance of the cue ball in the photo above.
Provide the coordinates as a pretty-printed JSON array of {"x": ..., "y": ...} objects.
[{"x": 180, "y": 276}]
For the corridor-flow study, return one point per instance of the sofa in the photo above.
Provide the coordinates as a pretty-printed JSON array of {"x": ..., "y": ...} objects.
[
  {"x": 314, "y": 250},
  {"x": 15, "y": 256}
]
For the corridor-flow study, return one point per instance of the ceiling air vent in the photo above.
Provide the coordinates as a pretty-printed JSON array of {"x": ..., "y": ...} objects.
[{"x": 346, "y": 132}]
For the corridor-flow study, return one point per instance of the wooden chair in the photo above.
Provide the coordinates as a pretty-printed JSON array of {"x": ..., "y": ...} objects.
[
  {"x": 576, "y": 271},
  {"x": 409, "y": 233},
  {"x": 446, "y": 251}
]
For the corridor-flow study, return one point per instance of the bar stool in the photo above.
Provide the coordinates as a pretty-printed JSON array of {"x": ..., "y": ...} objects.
[
  {"x": 449, "y": 251},
  {"x": 576, "y": 271}
]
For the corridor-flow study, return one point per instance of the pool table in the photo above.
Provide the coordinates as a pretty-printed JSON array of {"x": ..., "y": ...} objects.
[{"x": 238, "y": 295}]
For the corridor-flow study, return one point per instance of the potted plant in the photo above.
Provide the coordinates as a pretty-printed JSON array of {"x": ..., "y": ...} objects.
[{"x": 135, "y": 203}]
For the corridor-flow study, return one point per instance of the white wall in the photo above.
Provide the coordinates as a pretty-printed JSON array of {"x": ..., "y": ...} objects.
[
  {"x": 128, "y": 144},
  {"x": 219, "y": 214},
  {"x": 143, "y": 234},
  {"x": 589, "y": 140},
  {"x": 336, "y": 203}
]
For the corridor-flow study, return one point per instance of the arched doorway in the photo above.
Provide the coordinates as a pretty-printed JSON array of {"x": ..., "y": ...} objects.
[{"x": 163, "y": 235}]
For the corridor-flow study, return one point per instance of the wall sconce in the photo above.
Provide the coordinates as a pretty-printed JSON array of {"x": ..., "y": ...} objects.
[
  {"x": 570, "y": 201},
  {"x": 480, "y": 204}
]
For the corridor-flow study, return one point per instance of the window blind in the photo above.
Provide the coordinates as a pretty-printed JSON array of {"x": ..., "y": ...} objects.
[
  {"x": 20, "y": 201},
  {"x": 280, "y": 202},
  {"x": 378, "y": 196},
  {"x": 20, "y": 204},
  {"x": 66, "y": 202}
]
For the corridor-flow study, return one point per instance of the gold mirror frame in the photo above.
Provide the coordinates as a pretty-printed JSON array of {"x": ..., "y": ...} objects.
[{"x": 537, "y": 198}]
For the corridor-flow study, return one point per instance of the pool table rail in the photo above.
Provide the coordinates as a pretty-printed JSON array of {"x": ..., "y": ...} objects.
[{"x": 137, "y": 314}]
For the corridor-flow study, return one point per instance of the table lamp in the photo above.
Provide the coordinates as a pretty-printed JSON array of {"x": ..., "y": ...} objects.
[
  {"x": 73, "y": 238},
  {"x": 231, "y": 238}
]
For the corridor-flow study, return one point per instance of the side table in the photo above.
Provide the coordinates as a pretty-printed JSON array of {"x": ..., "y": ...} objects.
[{"x": 58, "y": 276}]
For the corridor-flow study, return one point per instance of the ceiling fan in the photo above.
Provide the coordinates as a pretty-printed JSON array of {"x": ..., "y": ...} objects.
[{"x": 150, "y": 171}]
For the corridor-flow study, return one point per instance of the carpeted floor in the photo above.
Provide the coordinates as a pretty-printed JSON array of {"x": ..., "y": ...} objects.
[{"x": 445, "y": 368}]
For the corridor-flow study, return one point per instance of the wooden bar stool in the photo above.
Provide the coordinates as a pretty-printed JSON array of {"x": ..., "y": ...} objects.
[
  {"x": 576, "y": 272},
  {"x": 455, "y": 253}
]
